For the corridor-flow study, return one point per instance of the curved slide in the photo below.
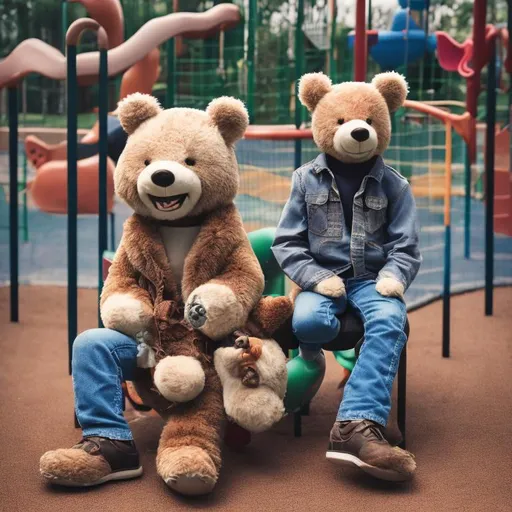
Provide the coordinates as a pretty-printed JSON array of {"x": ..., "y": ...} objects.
[
  {"x": 48, "y": 189},
  {"x": 35, "y": 56}
]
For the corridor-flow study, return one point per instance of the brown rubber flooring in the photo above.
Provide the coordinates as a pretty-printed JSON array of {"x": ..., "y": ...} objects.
[{"x": 459, "y": 425}]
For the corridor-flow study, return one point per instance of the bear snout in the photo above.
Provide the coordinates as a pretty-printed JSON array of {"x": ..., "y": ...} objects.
[
  {"x": 360, "y": 134},
  {"x": 163, "y": 178}
]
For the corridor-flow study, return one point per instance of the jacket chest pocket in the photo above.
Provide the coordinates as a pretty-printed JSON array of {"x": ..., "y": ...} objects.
[
  {"x": 324, "y": 215},
  {"x": 374, "y": 213}
]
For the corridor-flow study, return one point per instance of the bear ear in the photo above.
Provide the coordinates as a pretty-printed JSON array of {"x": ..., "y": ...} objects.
[
  {"x": 393, "y": 87},
  {"x": 230, "y": 117},
  {"x": 312, "y": 88},
  {"x": 135, "y": 109}
]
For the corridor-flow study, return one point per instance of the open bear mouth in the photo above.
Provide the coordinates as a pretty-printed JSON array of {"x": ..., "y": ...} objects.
[{"x": 168, "y": 203}]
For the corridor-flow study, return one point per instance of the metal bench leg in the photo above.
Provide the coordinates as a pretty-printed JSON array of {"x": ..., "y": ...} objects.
[
  {"x": 402, "y": 394},
  {"x": 297, "y": 424},
  {"x": 305, "y": 409}
]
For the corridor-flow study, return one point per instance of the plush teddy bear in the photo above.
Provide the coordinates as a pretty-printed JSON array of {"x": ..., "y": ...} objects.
[{"x": 185, "y": 278}]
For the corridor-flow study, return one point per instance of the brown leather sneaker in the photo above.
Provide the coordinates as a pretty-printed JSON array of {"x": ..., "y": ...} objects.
[
  {"x": 93, "y": 461},
  {"x": 362, "y": 443}
]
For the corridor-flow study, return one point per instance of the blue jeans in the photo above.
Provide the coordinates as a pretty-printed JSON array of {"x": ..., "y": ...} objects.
[
  {"x": 367, "y": 393},
  {"x": 102, "y": 360}
]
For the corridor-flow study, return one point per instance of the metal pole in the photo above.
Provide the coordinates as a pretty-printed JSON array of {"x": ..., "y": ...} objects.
[
  {"x": 332, "y": 45},
  {"x": 251, "y": 55},
  {"x": 467, "y": 204},
  {"x": 447, "y": 239},
  {"x": 170, "y": 98},
  {"x": 299, "y": 70},
  {"x": 402, "y": 395},
  {"x": 64, "y": 23},
  {"x": 369, "y": 14},
  {"x": 103, "y": 149},
  {"x": 509, "y": 53},
  {"x": 360, "y": 42},
  {"x": 13, "y": 201},
  {"x": 72, "y": 197},
  {"x": 489, "y": 177}
]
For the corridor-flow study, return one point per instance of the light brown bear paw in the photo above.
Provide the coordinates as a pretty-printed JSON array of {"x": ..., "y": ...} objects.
[
  {"x": 187, "y": 470},
  {"x": 215, "y": 310},
  {"x": 72, "y": 466}
]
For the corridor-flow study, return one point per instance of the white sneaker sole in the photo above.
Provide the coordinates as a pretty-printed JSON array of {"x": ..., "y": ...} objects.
[
  {"x": 118, "y": 475},
  {"x": 191, "y": 485},
  {"x": 382, "y": 474}
]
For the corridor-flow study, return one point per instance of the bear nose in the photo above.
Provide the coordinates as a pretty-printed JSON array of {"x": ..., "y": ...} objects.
[
  {"x": 360, "y": 134},
  {"x": 163, "y": 178}
]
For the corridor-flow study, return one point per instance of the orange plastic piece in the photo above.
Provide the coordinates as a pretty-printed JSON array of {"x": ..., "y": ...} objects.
[
  {"x": 502, "y": 184},
  {"x": 38, "y": 152},
  {"x": 49, "y": 187},
  {"x": 142, "y": 76},
  {"x": 463, "y": 124},
  {"x": 277, "y": 132},
  {"x": 109, "y": 14}
]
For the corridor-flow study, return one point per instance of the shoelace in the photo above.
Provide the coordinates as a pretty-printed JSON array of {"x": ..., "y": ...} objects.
[
  {"x": 87, "y": 444},
  {"x": 373, "y": 428}
]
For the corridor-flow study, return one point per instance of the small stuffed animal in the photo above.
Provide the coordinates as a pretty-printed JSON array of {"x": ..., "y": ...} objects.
[{"x": 253, "y": 371}]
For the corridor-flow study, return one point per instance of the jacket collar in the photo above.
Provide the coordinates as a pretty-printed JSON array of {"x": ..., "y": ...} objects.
[{"x": 377, "y": 171}]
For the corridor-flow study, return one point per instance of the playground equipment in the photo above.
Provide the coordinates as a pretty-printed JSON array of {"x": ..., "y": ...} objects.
[
  {"x": 424, "y": 150},
  {"x": 405, "y": 42},
  {"x": 35, "y": 56},
  {"x": 49, "y": 160}
]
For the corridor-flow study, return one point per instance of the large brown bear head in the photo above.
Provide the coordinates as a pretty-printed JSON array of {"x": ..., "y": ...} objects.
[
  {"x": 351, "y": 121},
  {"x": 181, "y": 161}
]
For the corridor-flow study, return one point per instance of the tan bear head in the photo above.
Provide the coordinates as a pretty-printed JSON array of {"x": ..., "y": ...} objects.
[
  {"x": 178, "y": 162},
  {"x": 351, "y": 121}
]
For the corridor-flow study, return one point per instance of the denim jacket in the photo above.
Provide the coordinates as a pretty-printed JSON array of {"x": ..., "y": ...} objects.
[{"x": 312, "y": 240}]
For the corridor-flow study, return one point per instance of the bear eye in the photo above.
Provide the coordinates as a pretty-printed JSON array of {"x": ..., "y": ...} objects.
[
  {"x": 190, "y": 161},
  {"x": 147, "y": 162},
  {"x": 369, "y": 121},
  {"x": 341, "y": 121}
]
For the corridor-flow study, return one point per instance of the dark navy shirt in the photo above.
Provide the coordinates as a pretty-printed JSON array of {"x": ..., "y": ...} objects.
[{"x": 348, "y": 180}]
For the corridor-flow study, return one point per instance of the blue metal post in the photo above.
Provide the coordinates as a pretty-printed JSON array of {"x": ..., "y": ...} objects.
[
  {"x": 299, "y": 69},
  {"x": 489, "y": 178},
  {"x": 13, "y": 202},
  {"x": 72, "y": 198},
  {"x": 446, "y": 290},
  {"x": 467, "y": 204},
  {"x": 103, "y": 149},
  {"x": 447, "y": 239}
]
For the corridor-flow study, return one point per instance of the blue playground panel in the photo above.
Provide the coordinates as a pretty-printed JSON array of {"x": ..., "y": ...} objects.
[{"x": 404, "y": 41}]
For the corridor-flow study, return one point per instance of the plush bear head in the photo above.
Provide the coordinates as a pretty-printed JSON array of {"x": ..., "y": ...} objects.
[
  {"x": 351, "y": 121},
  {"x": 178, "y": 162}
]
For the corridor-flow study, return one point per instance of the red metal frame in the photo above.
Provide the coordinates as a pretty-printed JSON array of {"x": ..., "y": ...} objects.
[{"x": 360, "y": 48}]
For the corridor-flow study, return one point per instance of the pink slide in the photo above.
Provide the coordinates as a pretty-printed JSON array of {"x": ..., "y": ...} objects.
[
  {"x": 35, "y": 56},
  {"x": 454, "y": 56}
]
